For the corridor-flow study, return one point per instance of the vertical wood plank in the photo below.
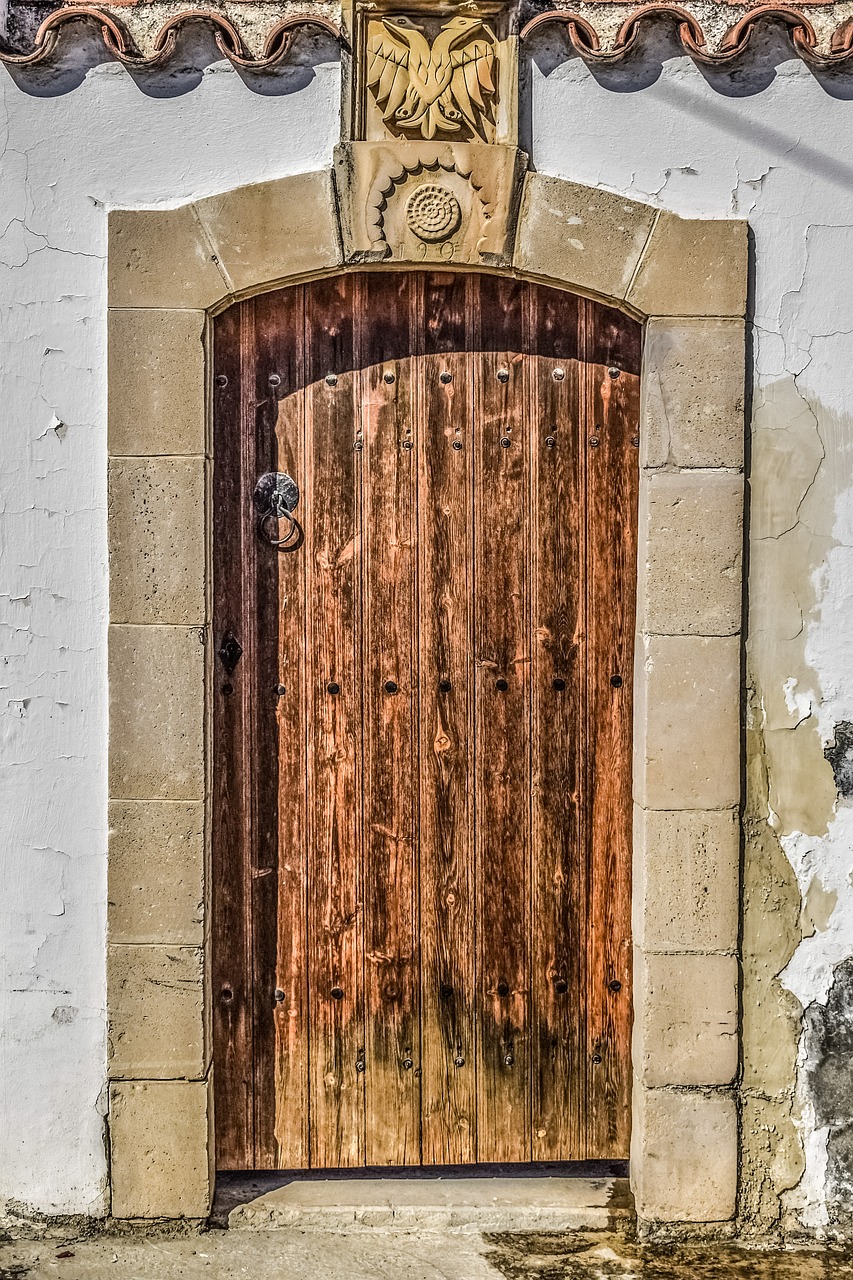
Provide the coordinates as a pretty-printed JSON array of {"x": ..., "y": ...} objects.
[
  {"x": 502, "y": 770},
  {"x": 259, "y": 851},
  {"x": 445, "y": 535},
  {"x": 261, "y": 614},
  {"x": 612, "y": 341},
  {"x": 389, "y": 462},
  {"x": 231, "y": 897},
  {"x": 281, "y": 1005},
  {"x": 332, "y": 531},
  {"x": 558, "y": 881}
]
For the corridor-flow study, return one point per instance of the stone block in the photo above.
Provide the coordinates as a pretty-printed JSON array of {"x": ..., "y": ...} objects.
[
  {"x": 590, "y": 239},
  {"x": 692, "y": 267},
  {"x": 156, "y": 872},
  {"x": 273, "y": 230},
  {"x": 160, "y": 1149},
  {"x": 684, "y": 1155},
  {"x": 161, "y": 258},
  {"x": 690, "y": 552},
  {"x": 157, "y": 540},
  {"x": 686, "y": 879},
  {"x": 156, "y": 383},
  {"x": 692, "y": 396},
  {"x": 687, "y": 717},
  {"x": 686, "y": 1031},
  {"x": 156, "y": 677},
  {"x": 156, "y": 1020}
]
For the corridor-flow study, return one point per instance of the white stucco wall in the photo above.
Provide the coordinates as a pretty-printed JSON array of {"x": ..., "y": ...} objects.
[
  {"x": 65, "y": 161},
  {"x": 774, "y": 149}
]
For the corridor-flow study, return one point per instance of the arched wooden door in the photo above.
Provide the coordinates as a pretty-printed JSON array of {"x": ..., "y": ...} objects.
[{"x": 422, "y": 724}]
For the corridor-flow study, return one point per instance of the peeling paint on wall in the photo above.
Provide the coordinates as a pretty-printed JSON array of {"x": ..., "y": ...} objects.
[
  {"x": 839, "y": 753},
  {"x": 769, "y": 147}
]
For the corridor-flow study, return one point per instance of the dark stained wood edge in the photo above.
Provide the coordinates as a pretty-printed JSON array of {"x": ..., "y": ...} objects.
[{"x": 231, "y": 972}]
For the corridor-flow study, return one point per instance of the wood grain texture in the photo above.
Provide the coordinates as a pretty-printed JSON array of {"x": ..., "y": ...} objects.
[
  {"x": 232, "y": 969},
  {"x": 558, "y": 875},
  {"x": 261, "y": 627},
  {"x": 389, "y": 661},
  {"x": 612, "y": 401},
  {"x": 281, "y": 973},
  {"x": 335, "y": 890},
  {"x": 447, "y": 868},
  {"x": 421, "y": 903},
  {"x": 502, "y": 750}
]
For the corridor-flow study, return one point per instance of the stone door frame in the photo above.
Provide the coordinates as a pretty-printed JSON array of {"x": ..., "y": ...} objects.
[{"x": 170, "y": 271}]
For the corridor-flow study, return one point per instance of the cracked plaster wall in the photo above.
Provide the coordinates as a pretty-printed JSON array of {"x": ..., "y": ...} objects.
[
  {"x": 64, "y": 160},
  {"x": 769, "y": 143},
  {"x": 772, "y": 144}
]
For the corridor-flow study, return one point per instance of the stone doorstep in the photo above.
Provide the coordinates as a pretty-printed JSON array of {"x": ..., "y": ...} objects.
[{"x": 482, "y": 1204}]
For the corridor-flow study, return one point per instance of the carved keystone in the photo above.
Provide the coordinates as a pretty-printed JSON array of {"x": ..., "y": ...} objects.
[{"x": 422, "y": 202}]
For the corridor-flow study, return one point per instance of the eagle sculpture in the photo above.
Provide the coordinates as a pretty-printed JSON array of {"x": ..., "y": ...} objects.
[{"x": 438, "y": 88}]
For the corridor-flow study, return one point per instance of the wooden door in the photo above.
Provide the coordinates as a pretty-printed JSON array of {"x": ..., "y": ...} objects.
[{"x": 422, "y": 724}]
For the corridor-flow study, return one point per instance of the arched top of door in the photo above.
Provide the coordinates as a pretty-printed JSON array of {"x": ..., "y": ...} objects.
[{"x": 385, "y": 209}]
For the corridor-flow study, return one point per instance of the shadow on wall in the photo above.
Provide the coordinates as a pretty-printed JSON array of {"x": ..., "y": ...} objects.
[
  {"x": 658, "y": 43},
  {"x": 549, "y": 50},
  {"x": 195, "y": 56}
]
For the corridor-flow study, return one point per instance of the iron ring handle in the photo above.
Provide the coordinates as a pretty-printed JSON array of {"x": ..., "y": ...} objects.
[{"x": 291, "y": 540}]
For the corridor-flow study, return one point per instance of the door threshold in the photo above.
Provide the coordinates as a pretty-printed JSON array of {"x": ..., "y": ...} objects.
[{"x": 495, "y": 1198}]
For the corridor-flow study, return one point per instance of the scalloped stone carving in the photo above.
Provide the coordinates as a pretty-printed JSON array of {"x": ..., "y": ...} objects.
[{"x": 428, "y": 202}]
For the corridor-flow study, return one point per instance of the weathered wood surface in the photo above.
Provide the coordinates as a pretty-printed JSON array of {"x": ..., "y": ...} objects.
[
  {"x": 501, "y": 645},
  {"x": 447, "y": 866},
  {"x": 390, "y": 671},
  {"x": 232, "y": 780},
  {"x": 559, "y": 870},
  {"x": 332, "y": 519},
  {"x": 422, "y": 762},
  {"x": 611, "y": 402}
]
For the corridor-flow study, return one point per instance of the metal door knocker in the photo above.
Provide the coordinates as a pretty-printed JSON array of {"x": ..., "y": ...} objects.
[{"x": 275, "y": 498}]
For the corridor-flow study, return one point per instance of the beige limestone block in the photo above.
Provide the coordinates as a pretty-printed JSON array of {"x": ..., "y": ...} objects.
[
  {"x": 157, "y": 544},
  {"x": 156, "y": 1021},
  {"x": 589, "y": 239},
  {"x": 690, "y": 551},
  {"x": 687, "y": 717},
  {"x": 686, "y": 1030},
  {"x": 692, "y": 396},
  {"x": 692, "y": 267},
  {"x": 684, "y": 1155},
  {"x": 156, "y": 677},
  {"x": 161, "y": 258},
  {"x": 156, "y": 871},
  {"x": 156, "y": 382},
  {"x": 686, "y": 877},
  {"x": 160, "y": 1149},
  {"x": 274, "y": 230}
]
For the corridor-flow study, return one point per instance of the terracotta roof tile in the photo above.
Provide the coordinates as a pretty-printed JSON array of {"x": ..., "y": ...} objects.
[{"x": 259, "y": 35}]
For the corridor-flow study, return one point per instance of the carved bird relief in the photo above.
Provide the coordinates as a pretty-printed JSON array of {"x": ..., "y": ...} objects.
[{"x": 436, "y": 88}]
